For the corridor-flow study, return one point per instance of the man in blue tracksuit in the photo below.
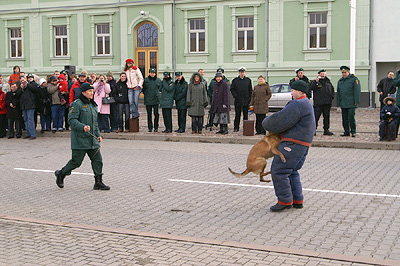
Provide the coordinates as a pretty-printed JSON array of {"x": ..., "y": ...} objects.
[{"x": 296, "y": 126}]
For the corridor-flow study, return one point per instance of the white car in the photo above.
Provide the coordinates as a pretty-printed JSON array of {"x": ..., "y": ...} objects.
[{"x": 281, "y": 94}]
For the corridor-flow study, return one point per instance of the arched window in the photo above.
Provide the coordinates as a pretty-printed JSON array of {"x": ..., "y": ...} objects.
[{"x": 147, "y": 35}]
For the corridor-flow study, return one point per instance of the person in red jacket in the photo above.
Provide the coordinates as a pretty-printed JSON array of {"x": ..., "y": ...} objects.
[
  {"x": 3, "y": 112},
  {"x": 75, "y": 91},
  {"x": 15, "y": 76},
  {"x": 63, "y": 87}
]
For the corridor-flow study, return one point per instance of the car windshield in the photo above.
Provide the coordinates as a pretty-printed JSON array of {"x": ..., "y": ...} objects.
[{"x": 275, "y": 88}]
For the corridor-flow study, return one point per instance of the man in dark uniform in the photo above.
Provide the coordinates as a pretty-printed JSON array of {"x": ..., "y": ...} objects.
[
  {"x": 85, "y": 138},
  {"x": 152, "y": 92},
  {"x": 167, "y": 101},
  {"x": 241, "y": 90},
  {"x": 210, "y": 92},
  {"x": 180, "y": 87},
  {"x": 300, "y": 76},
  {"x": 323, "y": 94},
  {"x": 385, "y": 88},
  {"x": 348, "y": 98},
  {"x": 296, "y": 126}
]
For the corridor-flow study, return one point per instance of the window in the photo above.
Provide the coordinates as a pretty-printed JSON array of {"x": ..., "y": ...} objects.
[
  {"x": 245, "y": 33},
  {"x": 147, "y": 35},
  {"x": 103, "y": 39},
  {"x": 317, "y": 28},
  {"x": 16, "y": 43},
  {"x": 197, "y": 35},
  {"x": 61, "y": 39}
]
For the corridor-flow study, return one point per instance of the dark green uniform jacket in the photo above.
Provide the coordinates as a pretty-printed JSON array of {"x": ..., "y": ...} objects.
[
  {"x": 83, "y": 112},
  {"x": 152, "y": 90},
  {"x": 180, "y": 93},
  {"x": 167, "y": 94},
  {"x": 396, "y": 83},
  {"x": 348, "y": 92}
]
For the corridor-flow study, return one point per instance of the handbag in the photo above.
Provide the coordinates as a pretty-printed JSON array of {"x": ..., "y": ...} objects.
[{"x": 108, "y": 100}]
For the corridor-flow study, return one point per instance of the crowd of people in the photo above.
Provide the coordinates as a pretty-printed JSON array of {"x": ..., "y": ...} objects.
[{"x": 117, "y": 99}]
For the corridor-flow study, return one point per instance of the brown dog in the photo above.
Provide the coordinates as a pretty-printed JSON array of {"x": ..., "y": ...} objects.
[{"x": 266, "y": 148}]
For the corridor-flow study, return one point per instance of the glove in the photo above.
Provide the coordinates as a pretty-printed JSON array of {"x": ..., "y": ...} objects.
[{"x": 224, "y": 106}]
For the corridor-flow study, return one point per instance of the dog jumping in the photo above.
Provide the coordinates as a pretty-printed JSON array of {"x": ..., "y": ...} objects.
[{"x": 266, "y": 148}]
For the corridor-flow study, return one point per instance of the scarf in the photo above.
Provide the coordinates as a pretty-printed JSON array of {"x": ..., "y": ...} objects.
[
  {"x": 100, "y": 88},
  {"x": 261, "y": 83}
]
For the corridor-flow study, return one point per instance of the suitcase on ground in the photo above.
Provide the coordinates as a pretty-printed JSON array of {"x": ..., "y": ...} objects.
[
  {"x": 133, "y": 124},
  {"x": 248, "y": 127}
]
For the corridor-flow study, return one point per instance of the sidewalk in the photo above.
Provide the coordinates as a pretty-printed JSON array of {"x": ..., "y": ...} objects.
[{"x": 367, "y": 132}]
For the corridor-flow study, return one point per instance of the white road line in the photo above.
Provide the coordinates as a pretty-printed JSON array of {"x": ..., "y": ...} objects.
[
  {"x": 305, "y": 189},
  {"x": 49, "y": 171}
]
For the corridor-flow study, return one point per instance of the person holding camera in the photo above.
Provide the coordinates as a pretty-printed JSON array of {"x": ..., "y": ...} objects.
[
  {"x": 390, "y": 114},
  {"x": 28, "y": 104},
  {"x": 102, "y": 89}
]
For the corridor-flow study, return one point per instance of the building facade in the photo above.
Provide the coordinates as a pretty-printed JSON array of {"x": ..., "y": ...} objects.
[{"x": 268, "y": 37}]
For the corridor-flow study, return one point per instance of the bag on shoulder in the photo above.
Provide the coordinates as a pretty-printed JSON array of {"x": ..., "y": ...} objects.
[{"x": 108, "y": 100}]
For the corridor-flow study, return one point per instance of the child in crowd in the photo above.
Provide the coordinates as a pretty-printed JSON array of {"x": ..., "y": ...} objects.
[
  {"x": 390, "y": 114},
  {"x": 63, "y": 87}
]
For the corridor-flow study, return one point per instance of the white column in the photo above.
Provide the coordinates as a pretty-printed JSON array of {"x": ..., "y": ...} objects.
[
  {"x": 81, "y": 43},
  {"x": 6, "y": 38},
  {"x": 93, "y": 35},
  {"x": 306, "y": 34},
  {"x": 111, "y": 34},
  {"x": 233, "y": 29},
  {"x": 185, "y": 23},
  {"x": 353, "y": 36},
  {"x": 206, "y": 28},
  {"x": 255, "y": 27},
  {"x": 51, "y": 36},
  {"x": 68, "y": 38},
  {"x": 220, "y": 37},
  {"x": 22, "y": 37}
]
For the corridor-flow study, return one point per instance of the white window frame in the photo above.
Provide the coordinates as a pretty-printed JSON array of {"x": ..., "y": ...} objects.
[
  {"x": 103, "y": 36},
  {"x": 246, "y": 30},
  {"x": 197, "y": 32},
  {"x": 16, "y": 39},
  {"x": 318, "y": 28},
  {"x": 61, "y": 37}
]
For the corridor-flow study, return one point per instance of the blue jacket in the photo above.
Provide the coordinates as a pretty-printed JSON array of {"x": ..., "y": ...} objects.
[
  {"x": 295, "y": 123},
  {"x": 393, "y": 109}
]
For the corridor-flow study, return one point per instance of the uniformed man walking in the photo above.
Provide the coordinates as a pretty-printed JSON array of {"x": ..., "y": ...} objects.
[
  {"x": 85, "y": 138},
  {"x": 348, "y": 98}
]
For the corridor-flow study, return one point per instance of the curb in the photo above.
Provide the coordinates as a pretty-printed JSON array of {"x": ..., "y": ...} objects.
[
  {"x": 208, "y": 241},
  {"x": 237, "y": 140}
]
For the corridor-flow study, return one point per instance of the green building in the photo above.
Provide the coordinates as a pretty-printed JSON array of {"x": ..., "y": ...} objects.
[{"x": 272, "y": 37}]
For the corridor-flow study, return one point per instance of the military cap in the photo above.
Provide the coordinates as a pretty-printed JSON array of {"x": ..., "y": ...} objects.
[
  {"x": 153, "y": 69},
  {"x": 344, "y": 68},
  {"x": 220, "y": 69},
  {"x": 30, "y": 75},
  {"x": 166, "y": 73},
  {"x": 298, "y": 70},
  {"x": 64, "y": 72},
  {"x": 86, "y": 86},
  {"x": 178, "y": 73},
  {"x": 322, "y": 70},
  {"x": 241, "y": 69},
  {"x": 300, "y": 86},
  {"x": 218, "y": 74}
]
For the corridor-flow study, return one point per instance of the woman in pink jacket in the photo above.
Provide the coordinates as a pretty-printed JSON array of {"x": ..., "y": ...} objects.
[
  {"x": 134, "y": 81},
  {"x": 102, "y": 89}
]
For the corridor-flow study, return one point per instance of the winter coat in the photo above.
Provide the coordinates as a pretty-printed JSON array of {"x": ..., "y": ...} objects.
[
  {"x": 196, "y": 99},
  {"x": 13, "y": 78},
  {"x": 28, "y": 96},
  {"x": 260, "y": 97},
  {"x": 167, "y": 93},
  {"x": 323, "y": 91},
  {"x": 14, "y": 98},
  {"x": 134, "y": 78},
  {"x": 348, "y": 92},
  {"x": 121, "y": 92},
  {"x": 62, "y": 83},
  {"x": 305, "y": 79},
  {"x": 180, "y": 93},
  {"x": 98, "y": 97},
  {"x": 54, "y": 91},
  {"x": 83, "y": 112},
  {"x": 392, "y": 109},
  {"x": 210, "y": 89},
  {"x": 241, "y": 90},
  {"x": 113, "y": 87},
  {"x": 44, "y": 101},
  {"x": 152, "y": 90},
  {"x": 221, "y": 97},
  {"x": 385, "y": 86},
  {"x": 3, "y": 105},
  {"x": 75, "y": 91}
]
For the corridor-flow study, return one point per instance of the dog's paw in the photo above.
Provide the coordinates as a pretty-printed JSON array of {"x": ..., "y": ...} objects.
[{"x": 267, "y": 181}]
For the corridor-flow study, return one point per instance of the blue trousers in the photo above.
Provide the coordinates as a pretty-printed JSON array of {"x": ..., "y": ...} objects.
[
  {"x": 285, "y": 176},
  {"x": 29, "y": 119},
  {"x": 133, "y": 96},
  {"x": 57, "y": 115}
]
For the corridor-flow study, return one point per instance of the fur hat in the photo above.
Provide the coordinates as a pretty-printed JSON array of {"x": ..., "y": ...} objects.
[
  {"x": 389, "y": 99},
  {"x": 41, "y": 81}
]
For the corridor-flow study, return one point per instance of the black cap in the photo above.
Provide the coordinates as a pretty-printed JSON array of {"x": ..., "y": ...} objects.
[
  {"x": 344, "y": 68},
  {"x": 220, "y": 69},
  {"x": 30, "y": 75},
  {"x": 219, "y": 74},
  {"x": 322, "y": 70},
  {"x": 178, "y": 73},
  {"x": 82, "y": 75},
  {"x": 300, "y": 86},
  {"x": 153, "y": 69},
  {"x": 298, "y": 70},
  {"x": 86, "y": 86},
  {"x": 166, "y": 73}
]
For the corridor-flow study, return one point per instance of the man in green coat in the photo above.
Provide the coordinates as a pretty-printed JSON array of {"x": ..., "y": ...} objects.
[
  {"x": 152, "y": 92},
  {"x": 348, "y": 98},
  {"x": 180, "y": 86},
  {"x": 167, "y": 101},
  {"x": 85, "y": 138}
]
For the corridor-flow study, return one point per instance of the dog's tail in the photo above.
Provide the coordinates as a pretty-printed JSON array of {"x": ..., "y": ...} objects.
[{"x": 239, "y": 175}]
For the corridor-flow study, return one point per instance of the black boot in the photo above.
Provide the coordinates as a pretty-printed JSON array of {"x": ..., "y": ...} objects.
[
  {"x": 225, "y": 129},
  {"x": 221, "y": 129},
  {"x": 98, "y": 185},
  {"x": 327, "y": 133},
  {"x": 60, "y": 178},
  {"x": 278, "y": 207}
]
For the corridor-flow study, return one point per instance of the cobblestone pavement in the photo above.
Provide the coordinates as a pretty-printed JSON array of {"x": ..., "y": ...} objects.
[{"x": 352, "y": 199}]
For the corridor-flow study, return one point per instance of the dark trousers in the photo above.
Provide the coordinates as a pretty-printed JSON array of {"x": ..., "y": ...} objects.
[
  {"x": 77, "y": 159},
  {"x": 349, "y": 120},
  {"x": 45, "y": 122},
  {"x": 238, "y": 111},
  {"x": 123, "y": 107},
  {"x": 167, "y": 116},
  {"x": 152, "y": 109},
  {"x": 197, "y": 123},
  {"x": 3, "y": 125},
  {"x": 259, "y": 127},
  {"x": 182, "y": 119},
  {"x": 211, "y": 115},
  {"x": 391, "y": 129},
  {"x": 18, "y": 128},
  {"x": 114, "y": 116},
  {"x": 66, "y": 112},
  {"x": 325, "y": 110},
  {"x": 103, "y": 122},
  {"x": 285, "y": 176}
]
